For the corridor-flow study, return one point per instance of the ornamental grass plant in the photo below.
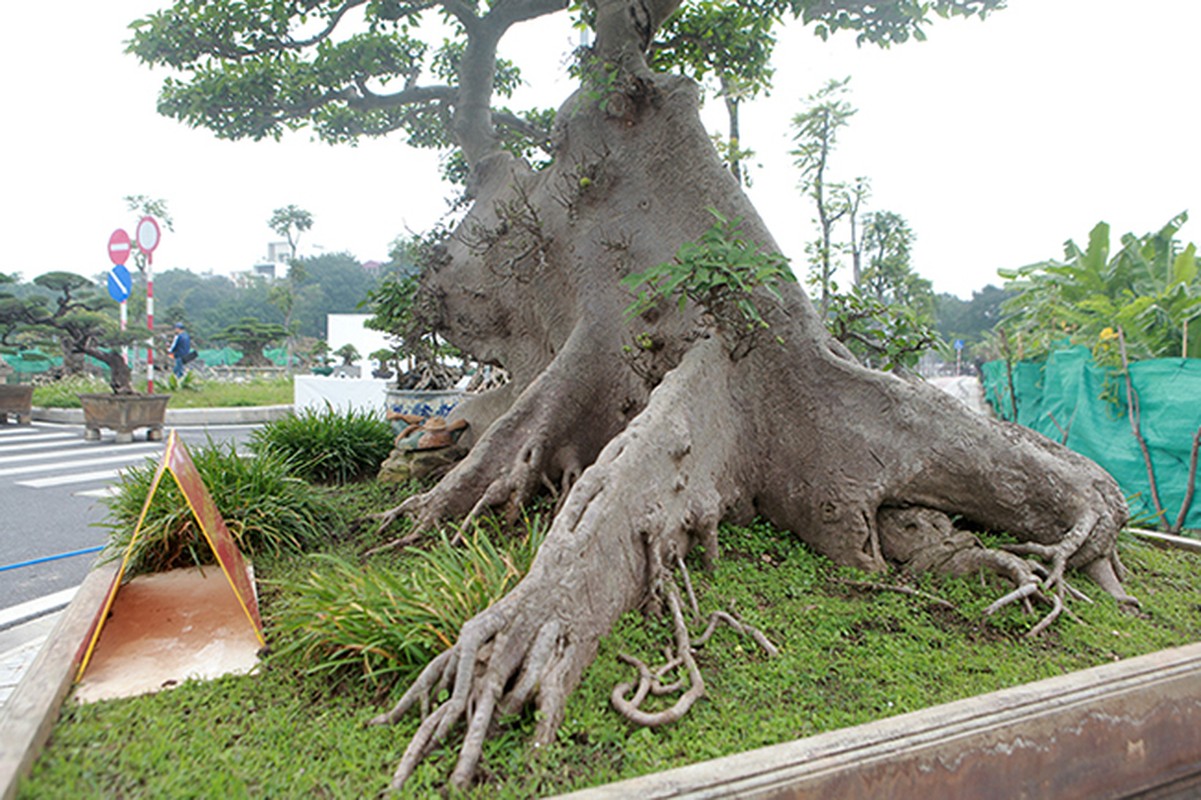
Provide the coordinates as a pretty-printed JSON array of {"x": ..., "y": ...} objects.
[
  {"x": 266, "y": 508},
  {"x": 387, "y": 618},
  {"x": 327, "y": 446}
]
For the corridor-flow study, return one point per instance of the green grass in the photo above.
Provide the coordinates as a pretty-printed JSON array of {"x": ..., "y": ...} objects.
[
  {"x": 194, "y": 393},
  {"x": 327, "y": 446},
  {"x": 848, "y": 655}
]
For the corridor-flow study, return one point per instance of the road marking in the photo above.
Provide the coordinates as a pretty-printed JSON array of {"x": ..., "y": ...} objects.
[
  {"x": 94, "y": 451},
  {"x": 41, "y": 437},
  {"x": 101, "y": 493},
  {"x": 61, "y": 465},
  {"x": 82, "y": 477}
]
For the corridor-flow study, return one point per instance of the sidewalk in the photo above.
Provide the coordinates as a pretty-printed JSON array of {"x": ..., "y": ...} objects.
[{"x": 19, "y": 646}]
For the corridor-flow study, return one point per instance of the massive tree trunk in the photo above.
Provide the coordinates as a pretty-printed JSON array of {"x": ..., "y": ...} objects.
[{"x": 652, "y": 442}]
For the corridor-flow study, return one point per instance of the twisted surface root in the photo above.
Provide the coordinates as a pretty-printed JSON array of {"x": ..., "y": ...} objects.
[
  {"x": 650, "y": 682},
  {"x": 923, "y": 539}
]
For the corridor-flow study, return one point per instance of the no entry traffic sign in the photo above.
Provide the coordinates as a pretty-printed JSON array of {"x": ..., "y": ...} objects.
[{"x": 119, "y": 246}]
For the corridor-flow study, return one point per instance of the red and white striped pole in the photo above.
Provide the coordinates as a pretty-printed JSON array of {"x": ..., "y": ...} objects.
[{"x": 148, "y": 237}]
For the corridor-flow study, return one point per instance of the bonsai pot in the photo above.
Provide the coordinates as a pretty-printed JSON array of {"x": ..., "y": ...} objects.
[
  {"x": 424, "y": 403},
  {"x": 322, "y": 370},
  {"x": 18, "y": 401},
  {"x": 124, "y": 413}
]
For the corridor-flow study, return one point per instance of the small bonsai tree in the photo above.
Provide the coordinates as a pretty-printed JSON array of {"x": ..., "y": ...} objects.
[
  {"x": 319, "y": 353},
  {"x": 387, "y": 361},
  {"x": 79, "y": 316},
  {"x": 348, "y": 353},
  {"x": 250, "y": 336}
]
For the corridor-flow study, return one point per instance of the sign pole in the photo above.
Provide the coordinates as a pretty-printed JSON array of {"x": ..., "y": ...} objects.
[
  {"x": 119, "y": 280},
  {"x": 148, "y": 238}
]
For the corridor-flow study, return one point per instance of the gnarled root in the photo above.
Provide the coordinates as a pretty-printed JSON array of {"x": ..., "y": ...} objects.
[
  {"x": 495, "y": 650},
  {"x": 651, "y": 682},
  {"x": 924, "y": 539}
]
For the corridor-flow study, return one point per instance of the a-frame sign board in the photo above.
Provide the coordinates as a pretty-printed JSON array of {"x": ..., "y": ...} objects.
[{"x": 177, "y": 461}]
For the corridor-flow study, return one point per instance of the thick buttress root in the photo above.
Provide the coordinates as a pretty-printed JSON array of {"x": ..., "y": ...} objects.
[{"x": 604, "y": 550}]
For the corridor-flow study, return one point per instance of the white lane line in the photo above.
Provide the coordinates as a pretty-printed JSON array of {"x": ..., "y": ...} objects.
[
  {"x": 94, "y": 451},
  {"x": 38, "y": 440},
  {"x": 42, "y": 483},
  {"x": 61, "y": 465},
  {"x": 101, "y": 493}
]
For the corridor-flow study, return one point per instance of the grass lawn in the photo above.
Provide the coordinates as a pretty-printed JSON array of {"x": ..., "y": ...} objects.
[
  {"x": 848, "y": 655},
  {"x": 193, "y": 393}
]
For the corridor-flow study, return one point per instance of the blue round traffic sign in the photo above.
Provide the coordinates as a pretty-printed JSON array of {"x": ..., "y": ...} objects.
[{"x": 119, "y": 283}]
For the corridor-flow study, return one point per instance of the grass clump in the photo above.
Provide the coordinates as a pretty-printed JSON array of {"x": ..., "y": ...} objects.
[
  {"x": 387, "y": 621},
  {"x": 327, "y": 446},
  {"x": 266, "y": 508}
]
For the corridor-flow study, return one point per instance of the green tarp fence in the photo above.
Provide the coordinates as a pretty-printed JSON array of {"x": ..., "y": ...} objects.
[
  {"x": 1070, "y": 399},
  {"x": 31, "y": 364}
]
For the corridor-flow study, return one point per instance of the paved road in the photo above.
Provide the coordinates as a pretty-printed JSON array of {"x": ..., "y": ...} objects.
[{"x": 52, "y": 484}]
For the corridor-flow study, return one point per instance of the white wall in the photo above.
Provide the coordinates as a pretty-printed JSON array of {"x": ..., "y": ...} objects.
[
  {"x": 342, "y": 329},
  {"x": 342, "y": 394}
]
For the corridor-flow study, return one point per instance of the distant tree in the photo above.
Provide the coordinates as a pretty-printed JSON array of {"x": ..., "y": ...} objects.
[
  {"x": 290, "y": 222},
  {"x": 334, "y": 283},
  {"x": 815, "y": 134},
  {"x": 889, "y": 276},
  {"x": 251, "y": 337}
]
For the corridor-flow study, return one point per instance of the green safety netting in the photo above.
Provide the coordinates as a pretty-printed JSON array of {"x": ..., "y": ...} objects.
[{"x": 1070, "y": 399}]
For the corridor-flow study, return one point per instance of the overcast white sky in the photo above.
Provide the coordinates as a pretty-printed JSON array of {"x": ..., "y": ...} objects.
[{"x": 996, "y": 140}]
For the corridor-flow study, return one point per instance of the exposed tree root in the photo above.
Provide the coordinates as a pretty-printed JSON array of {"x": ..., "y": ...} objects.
[{"x": 905, "y": 590}]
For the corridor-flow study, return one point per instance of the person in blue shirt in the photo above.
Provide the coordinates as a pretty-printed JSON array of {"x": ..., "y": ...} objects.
[{"x": 181, "y": 345}]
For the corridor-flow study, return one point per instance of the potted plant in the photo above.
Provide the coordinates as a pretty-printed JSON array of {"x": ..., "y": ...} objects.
[
  {"x": 320, "y": 357},
  {"x": 72, "y": 310},
  {"x": 427, "y": 387},
  {"x": 383, "y": 359},
  {"x": 15, "y": 399}
]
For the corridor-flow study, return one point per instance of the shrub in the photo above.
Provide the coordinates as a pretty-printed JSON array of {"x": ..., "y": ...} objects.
[
  {"x": 390, "y": 621},
  {"x": 266, "y": 509},
  {"x": 328, "y": 446}
]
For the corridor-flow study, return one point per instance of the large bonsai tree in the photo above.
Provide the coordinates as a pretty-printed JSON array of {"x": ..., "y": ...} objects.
[
  {"x": 75, "y": 314},
  {"x": 251, "y": 336},
  {"x": 720, "y": 397}
]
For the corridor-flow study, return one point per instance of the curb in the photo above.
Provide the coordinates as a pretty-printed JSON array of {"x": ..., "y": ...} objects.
[
  {"x": 1131, "y": 729},
  {"x": 30, "y": 713},
  {"x": 245, "y": 415}
]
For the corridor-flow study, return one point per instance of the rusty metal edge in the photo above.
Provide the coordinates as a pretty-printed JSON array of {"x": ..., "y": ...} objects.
[
  {"x": 31, "y": 711},
  {"x": 891, "y": 755}
]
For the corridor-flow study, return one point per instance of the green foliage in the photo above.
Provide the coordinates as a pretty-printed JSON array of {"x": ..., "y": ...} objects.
[
  {"x": 327, "y": 446},
  {"x": 888, "y": 336},
  {"x": 266, "y": 508},
  {"x": 1149, "y": 289},
  {"x": 348, "y": 353},
  {"x": 719, "y": 271},
  {"x": 388, "y": 621},
  {"x": 251, "y": 336}
]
